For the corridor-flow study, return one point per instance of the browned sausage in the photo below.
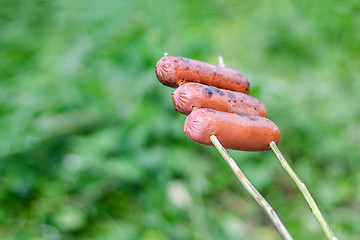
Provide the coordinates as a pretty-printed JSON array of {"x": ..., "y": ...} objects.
[
  {"x": 234, "y": 131},
  {"x": 191, "y": 95},
  {"x": 172, "y": 70}
]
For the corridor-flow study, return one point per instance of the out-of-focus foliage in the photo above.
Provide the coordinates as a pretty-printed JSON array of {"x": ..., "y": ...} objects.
[{"x": 91, "y": 147}]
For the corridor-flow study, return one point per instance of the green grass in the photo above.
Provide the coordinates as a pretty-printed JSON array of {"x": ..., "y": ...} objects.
[{"x": 91, "y": 142}]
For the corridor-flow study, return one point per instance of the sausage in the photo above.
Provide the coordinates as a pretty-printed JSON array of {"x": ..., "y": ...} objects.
[
  {"x": 191, "y": 95},
  {"x": 173, "y": 70},
  {"x": 234, "y": 131}
]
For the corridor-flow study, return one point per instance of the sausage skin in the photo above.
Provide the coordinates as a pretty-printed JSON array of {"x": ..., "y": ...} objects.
[
  {"x": 234, "y": 131},
  {"x": 173, "y": 70},
  {"x": 190, "y": 95}
]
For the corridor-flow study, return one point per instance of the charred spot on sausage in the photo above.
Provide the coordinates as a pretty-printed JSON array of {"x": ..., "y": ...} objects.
[
  {"x": 210, "y": 110},
  {"x": 252, "y": 118},
  {"x": 231, "y": 95},
  {"x": 218, "y": 91},
  {"x": 240, "y": 75},
  {"x": 184, "y": 60},
  {"x": 208, "y": 92}
]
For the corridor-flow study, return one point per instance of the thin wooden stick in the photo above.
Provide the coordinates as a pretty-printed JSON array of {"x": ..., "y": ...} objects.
[
  {"x": 252, "y": 190},
  {"x": 221, "y": 61},
  {"x": 310, "y": 201}
]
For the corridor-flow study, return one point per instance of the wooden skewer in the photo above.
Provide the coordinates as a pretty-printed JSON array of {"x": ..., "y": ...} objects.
[
  {"x": 305, "y": 192},
  {"x": 270, "y": 212}
]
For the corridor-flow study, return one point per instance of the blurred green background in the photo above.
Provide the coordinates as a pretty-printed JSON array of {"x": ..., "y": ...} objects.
[{"x": 91, "y": 147}]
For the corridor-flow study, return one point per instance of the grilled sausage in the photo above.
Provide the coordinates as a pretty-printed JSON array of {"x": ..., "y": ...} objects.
[
  {"x": 234, "y": 131},
  {"x": 191, "y": 95},
  {"x": 173, "y": 70}
]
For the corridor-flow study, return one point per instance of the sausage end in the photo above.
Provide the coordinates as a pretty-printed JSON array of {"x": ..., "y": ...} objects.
[{"x": 165, "y": 72}]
